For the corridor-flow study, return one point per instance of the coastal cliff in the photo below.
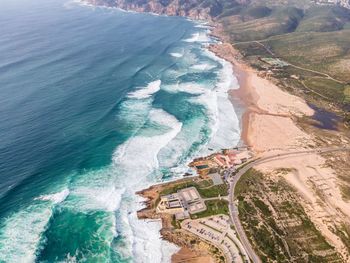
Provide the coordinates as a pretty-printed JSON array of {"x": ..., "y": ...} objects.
[
  {"x": 193, "y": 249},
  {"x": 195, "y": 9}
]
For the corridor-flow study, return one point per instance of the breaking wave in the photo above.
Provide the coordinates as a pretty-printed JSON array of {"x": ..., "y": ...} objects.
[
  {"x": 201, "y": 37},
  {"x": 176, "y": 55},
  {"x": 178, "y": 115},
  {"x": 146, "y": 92}
]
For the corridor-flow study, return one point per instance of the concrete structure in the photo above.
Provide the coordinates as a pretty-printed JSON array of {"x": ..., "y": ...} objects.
[
  {"x": 182, "y": 215},
  {"x": 191, "y": 200},
  {"x": 170, "y": 204},
  {"x": 186, "y": 201},
  {"x": 204, "y": 166},
  {"x": 216, "y": 229},
  {"x": 216, "y": 178},
  {"x": 220, "y": 161}
]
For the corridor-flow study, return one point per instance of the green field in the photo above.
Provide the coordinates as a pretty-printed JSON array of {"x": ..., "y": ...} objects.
[
  {"x": 214, "y": 207},
  {"x": 312, "y": 37},
  {"x": 205, "y": 188}
]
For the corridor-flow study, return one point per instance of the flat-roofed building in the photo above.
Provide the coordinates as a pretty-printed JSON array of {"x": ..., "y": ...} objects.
[
  {"x": 186, "y": 201},
  {"x": 191, "y": 200},
  {"x": 170, "y": 204},
  {"x": 194, "y": 194}
]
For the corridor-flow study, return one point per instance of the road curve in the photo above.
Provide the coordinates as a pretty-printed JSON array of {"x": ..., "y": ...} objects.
[{"x": 234, "y": 210}]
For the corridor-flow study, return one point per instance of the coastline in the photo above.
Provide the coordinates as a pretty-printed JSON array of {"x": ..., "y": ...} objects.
[
  {"x": 191, "y": 248},
  {"x": 198, "y": 253},
  {"x": 245, "y": 92},
  {"x": 270, "y": 125}
]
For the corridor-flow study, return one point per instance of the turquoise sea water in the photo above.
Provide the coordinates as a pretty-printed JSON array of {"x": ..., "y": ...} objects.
[{"x": 96, "y": 104}]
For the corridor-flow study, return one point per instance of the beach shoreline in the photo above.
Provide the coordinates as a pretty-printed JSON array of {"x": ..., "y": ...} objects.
[
  {"x": 270, "y": 125},
  {"x": 273, "y": 123},
  {"x": 247, "y": 98}
]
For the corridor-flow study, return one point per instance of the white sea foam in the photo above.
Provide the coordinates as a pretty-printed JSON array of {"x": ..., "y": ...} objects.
[
  {"x": 55, "y": 198},
  {"x": 21, "y": 233},
  {"x": 146, "y": 92},
  {"x": 203, "y": 25},
  {"x": 136, "y": 160},
  {"x": 112, "y": 189},
  {"x": 188, "y": 87},
  {"x": 138, "y": 156},
  {"x": 176, "y": 154},
  {"x": 176, "y": 55},
  {"x": 90, "y": 198},
  {"x": 226, "y": 132},
  {"x": 203, "y": 67},
  {"x": 141, "y": 238},
  {"x": 198, "y": 37},
  {"x": 148, "y": 244}
]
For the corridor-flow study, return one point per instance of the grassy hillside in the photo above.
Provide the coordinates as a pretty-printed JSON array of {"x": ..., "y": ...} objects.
[
  {"x": 260, "y": 23},
  {"x": 313, "y": 39}
]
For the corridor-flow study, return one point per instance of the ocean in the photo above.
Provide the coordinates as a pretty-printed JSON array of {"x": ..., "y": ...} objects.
[{"x": 97, "y": 103}]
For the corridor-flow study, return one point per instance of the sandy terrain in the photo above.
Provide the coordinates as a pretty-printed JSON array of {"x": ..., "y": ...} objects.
[
  {"x": 269, "y": 126},
  {"x": 319, "y": 194},
  {"x": 186, "y": 255},
  {"x": 270, "y": 133},
  {"x": 268, "y": 121}
]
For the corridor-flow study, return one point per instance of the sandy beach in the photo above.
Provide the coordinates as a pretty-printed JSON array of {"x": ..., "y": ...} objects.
[{"x": 269, "y": 126}]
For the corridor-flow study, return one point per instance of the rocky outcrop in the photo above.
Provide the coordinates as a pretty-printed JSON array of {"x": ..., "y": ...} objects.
[
  {"x": 162, "y": 7},
  {"x": 195, "y": 9}
]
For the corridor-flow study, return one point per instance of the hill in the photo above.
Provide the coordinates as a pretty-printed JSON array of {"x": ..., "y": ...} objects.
[{"x": 314, "y": 39}]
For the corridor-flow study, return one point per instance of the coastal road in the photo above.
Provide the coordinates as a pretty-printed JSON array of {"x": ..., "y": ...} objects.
[{"x": 232, "y": 206}]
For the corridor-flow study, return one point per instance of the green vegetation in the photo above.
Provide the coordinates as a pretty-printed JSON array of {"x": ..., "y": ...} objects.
[
  {"x": 312, "y": 37},
  {"x": 277, "y": 21},
  {"x": 287, "y": 235},
  {"x": 214, "y": 207},
  {"x": 347, "y": 94},
  {"x": 205, "y": 188},
  {"x": 345, "y": 190},
  {"x": 344, "y": 233},
  {"x": 299, "y": 32},
  {"x": 323, "y": 19},
  {"x": 175, "y": 223},
  {"x": 214, "y": 191}
]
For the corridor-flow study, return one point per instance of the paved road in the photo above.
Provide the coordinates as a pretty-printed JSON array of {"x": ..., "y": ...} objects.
[
  {"x": 234, "y": 210},
  {"x": 224, "y": 197}
]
